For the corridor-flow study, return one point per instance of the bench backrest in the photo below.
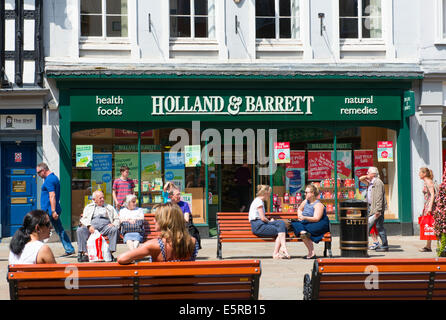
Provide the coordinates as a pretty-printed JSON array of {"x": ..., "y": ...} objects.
[
  {"x": 239, "y": 220},
  {"x": 379, "y": 279},
  {"x": 238, "y": 279},
  {"x": 149, "y": 226}
]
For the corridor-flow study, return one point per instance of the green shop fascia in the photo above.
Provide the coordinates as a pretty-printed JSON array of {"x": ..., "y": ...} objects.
[{"x": 140, "y": 104}]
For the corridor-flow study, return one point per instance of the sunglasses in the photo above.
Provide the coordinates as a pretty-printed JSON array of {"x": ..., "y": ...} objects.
[
  {"x": 38, "y": 172},
  {"x": 48, "y": 224}
]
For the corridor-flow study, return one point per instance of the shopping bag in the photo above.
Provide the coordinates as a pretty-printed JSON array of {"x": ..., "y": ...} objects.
[
  {"x": 427, "y": 231},
  {"x": 97, "y": 248},
  {"x": 373, "y": 230}
]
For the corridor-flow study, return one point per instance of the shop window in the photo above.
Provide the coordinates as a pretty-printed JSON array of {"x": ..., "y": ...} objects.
[
  {"x": 277, "y": 19},
  {"x": 192, "y": 19},
  {"x": 113, "y": 148},
  {"x": 104, "y": 18},
  {"x": 360, "y": 19},
  {"x": 312, "y": 161}
]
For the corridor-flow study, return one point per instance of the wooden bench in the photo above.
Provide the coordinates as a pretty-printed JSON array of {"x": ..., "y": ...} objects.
[
  {"x": 235, "y": 227},
  {"x": 140, "y": 281},
  {"x": 383, "y": 279}
]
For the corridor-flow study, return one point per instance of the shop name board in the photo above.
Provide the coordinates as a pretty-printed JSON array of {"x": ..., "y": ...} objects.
[
  {"x": 168, "y": 105},
  {"x": 18, "y": 122},
  {"x": 134, "y": 105}
]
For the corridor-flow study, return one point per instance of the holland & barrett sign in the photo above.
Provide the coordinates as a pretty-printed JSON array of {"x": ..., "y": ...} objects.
[{"x": 229, "y": 105}]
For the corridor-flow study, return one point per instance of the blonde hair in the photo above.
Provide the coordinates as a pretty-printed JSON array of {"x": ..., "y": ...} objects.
[
  {"x": 313, "y": 189},
  {"x": 173, "y": 228},
  {"x": 263, "y": 189},
  {"x": 427, "y": 172}
]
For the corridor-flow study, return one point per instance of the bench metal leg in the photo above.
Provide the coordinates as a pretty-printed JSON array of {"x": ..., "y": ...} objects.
[
  {"x": 219, "y": 250},
  {"x": 307, "y": 287},
  {"x": 327, "y": 247}
]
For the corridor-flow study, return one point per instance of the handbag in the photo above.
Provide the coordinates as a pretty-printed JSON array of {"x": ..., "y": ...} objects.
[
  {"x": 193, "y": 231},
  {"x": 427, "y": 231},
  {"x": 97, "y": 248}
]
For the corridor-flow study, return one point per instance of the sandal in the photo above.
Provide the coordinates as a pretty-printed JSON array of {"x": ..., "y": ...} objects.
[
  {"x": 284, "y": 254},
  {"x": 309, "y": 258},
  {"x": 277, "y": 256},
  {"x": 425, "y": 250}
]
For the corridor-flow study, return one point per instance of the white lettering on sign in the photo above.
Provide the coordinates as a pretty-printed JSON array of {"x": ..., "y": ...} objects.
[
  {"x": 353, "y": 111},
  {"x": 363, "y": 110},
  {"x": 171, "y": 105},
  {"x": 110, "y": 102}
]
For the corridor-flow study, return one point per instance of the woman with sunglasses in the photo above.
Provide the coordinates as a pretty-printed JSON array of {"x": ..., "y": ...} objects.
[
  {"x": 312, "y": 221},
  {"x": 27, "y": 245}
]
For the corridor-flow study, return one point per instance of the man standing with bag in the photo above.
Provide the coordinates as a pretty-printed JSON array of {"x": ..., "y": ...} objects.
[
  {"x": 49, "y": 202},
  {"x": 97, "y": 216},
  {"x": 376, "y": 199}
]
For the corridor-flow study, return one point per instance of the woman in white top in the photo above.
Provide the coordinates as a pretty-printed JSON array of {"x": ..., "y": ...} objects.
[
  {"x": 132, "y": 222},
  {"x": 27, "y": 245},
  {"x": 263, "y": 227}
]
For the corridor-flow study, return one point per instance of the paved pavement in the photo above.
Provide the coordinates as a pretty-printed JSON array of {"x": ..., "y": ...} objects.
[{"x": 280, "y": 279}]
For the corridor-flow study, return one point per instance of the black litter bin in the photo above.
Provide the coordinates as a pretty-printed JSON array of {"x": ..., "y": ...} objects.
[{"x": 354, "y": 237}]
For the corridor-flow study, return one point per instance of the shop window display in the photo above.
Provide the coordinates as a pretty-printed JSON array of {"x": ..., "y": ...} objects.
[
  {"x": 312, "y": 161},
  {"x": 113, "y": 148}
]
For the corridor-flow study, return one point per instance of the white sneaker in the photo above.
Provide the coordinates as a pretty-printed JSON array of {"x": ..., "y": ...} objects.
[{"x": 374, "y": 246}]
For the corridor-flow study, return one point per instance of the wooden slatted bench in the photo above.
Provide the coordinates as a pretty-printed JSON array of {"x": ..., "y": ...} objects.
[
  {"x": 140, "y": 281},
  {"x": 235, "y": 227},
  {"x": 380, "y": 279}
]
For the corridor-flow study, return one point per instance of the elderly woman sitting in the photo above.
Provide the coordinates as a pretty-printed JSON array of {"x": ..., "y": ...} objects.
[{"x": 132, "y": 222}]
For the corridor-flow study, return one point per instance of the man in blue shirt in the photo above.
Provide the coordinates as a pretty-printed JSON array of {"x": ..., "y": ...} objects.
[
  {"x": 49, "y": 202},
  {"x": 175, "y": 197}
]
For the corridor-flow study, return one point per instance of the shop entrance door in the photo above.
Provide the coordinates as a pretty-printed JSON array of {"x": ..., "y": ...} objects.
[{"x": 19, "y": 187}]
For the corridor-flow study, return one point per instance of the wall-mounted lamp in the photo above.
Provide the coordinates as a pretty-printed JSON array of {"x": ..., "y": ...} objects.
[
  {"x": 322, "y": 16},
  {"x": 52, "y": 104},
  {"x": 237, "y": 1}
]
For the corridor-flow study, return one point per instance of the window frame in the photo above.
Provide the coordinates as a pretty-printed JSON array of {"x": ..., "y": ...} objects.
[
  {"x": 360, "y": 39},
  {"x": 192, "y": 38},
  {"x": 277, "y": 17},
  {"x": 104, "y": 38},
  {"x": 440, "y": 38}
]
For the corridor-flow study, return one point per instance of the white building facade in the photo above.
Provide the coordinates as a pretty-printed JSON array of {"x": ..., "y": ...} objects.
[{"x": 346, "y": 48}]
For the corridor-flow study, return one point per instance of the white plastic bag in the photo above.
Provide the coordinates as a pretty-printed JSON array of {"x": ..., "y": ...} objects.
[{"x": 97, "y": 248}]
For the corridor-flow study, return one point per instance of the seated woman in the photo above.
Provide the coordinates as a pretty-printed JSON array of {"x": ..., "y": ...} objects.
[
  {"x": 132, "y": 222},
  {"x": 263, "y": 227},
  {"x": 313, "y": 222},
  {"x": 27, "y": 245},
  {"x": 174, "y": 244}
]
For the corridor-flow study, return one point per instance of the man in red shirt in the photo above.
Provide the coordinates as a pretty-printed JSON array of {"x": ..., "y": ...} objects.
[{"x": 122, "y": 187}]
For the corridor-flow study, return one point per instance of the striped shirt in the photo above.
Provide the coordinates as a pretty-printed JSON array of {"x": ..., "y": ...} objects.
[{"x": 123, "y": 188}]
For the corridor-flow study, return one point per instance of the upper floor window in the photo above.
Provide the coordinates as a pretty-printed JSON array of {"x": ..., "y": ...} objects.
[
  {"x": 192, "y": 18},
  {"x": 104, "y": 18},
  {"x": 277, "y": 19},
  {"x": 360, "y": 19}
]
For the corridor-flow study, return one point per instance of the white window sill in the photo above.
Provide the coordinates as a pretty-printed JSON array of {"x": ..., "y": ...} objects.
[
  {"x": 358, "y": 45},
  {"x": 119, "y": 44},
  {"x": 279, "y": 45},
  {"x": 180, "y": 44},
  {"x": 440, "y": 42}
]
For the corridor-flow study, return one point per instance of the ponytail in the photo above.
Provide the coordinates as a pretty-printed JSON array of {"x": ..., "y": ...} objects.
[
  {"x": 19, "y": 240},
  {"x": 23, "y": 234}
]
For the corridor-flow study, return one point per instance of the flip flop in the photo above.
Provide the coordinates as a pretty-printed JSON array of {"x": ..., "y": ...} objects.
[
  {"x": 425, "y": 250},
  {"x": 285, "y": 255}
]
